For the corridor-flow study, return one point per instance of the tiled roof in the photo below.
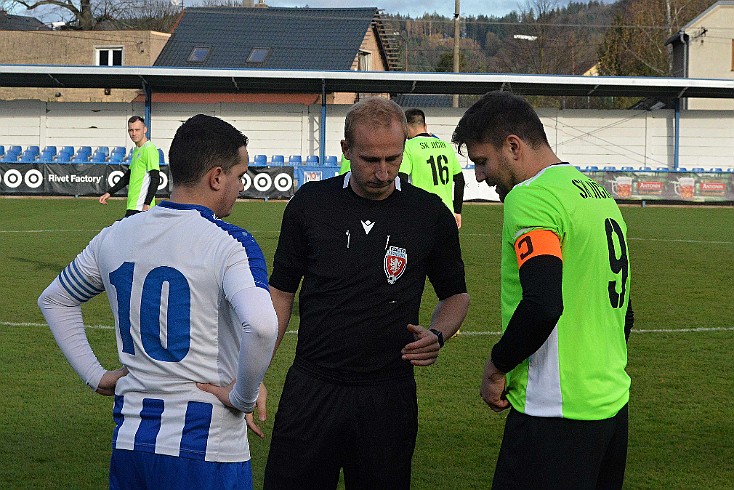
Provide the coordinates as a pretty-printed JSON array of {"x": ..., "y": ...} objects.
[
  {"x": 10, "y": 22},
  {"x": 297, "y": 38}
]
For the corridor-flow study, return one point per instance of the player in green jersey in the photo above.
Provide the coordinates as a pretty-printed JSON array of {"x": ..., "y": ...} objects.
[
  {"x": 431, "y": 164},
  {"x": 142, "y": 178},
  {"x": 560, "y": 363},
  {"x": 345, "y": 165}
]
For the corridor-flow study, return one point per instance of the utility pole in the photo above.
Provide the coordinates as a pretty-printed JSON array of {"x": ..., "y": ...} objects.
[{"x": 457, "y": 36}]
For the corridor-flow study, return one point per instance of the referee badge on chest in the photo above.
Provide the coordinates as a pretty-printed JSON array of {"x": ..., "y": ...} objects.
[{"x": 396, "y": 259}]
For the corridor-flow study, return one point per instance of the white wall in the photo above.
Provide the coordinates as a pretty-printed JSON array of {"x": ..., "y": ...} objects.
[{"x": 581, "y": 137}]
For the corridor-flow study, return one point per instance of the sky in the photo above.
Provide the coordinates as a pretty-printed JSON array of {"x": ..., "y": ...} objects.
[{"x": 416, "y": 8}]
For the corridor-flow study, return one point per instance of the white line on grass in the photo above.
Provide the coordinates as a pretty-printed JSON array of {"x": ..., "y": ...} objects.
[
  {"x": 716, "y": 242},
  {"x": 463, "y": 332}
]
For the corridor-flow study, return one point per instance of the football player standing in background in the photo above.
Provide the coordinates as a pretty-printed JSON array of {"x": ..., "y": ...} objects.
[
  {"x": 431, "y": 164},
  {"x": 560, "y": 363},
  {"x": 195, "y": 323},
  {"x": 142, "y": 178}
]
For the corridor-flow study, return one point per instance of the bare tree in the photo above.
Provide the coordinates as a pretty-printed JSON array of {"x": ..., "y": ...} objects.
[
  {"x": 635, "y": 43},
  {"x": 87, "y": 15}
]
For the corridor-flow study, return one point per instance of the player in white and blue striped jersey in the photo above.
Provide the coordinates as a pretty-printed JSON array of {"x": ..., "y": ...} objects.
[{"x": 195, "y": 323}]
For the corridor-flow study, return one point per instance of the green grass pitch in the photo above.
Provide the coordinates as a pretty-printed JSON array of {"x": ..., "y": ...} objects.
[{"x": 56, "y": 433}]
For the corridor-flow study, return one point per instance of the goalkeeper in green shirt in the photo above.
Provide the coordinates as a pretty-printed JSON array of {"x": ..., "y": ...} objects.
[
  {"x": 560, "y": 363},
  {"x": 431, "y": 164}
]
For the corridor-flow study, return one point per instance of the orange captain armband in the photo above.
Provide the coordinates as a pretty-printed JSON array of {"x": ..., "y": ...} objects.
[{"x": 535, "y": 243}]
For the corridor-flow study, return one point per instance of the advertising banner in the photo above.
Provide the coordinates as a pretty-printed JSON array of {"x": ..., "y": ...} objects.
[
  {"x": 269, "y": 183},
  {"x": 281, "y": 182},
  {"x": 668, "y": 186},
  {"x": 67, "y": 179}
]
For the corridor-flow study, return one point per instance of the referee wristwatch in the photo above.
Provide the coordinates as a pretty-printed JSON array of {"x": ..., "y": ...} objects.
[{"x": 438, "y": 334}]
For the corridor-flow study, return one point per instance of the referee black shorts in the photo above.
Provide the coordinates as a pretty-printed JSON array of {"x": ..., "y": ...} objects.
[
  {"x": 321, "y": 427},
  {"x": 552, "y": 453}
]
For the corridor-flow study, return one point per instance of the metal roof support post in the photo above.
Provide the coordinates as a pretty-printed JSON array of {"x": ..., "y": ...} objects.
[
  {"x": 322, "y": 126},
  {"x": 676, "y": 136},
  {"x": 148, "y": 105}
]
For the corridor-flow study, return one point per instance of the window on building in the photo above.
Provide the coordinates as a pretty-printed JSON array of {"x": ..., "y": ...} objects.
[
  {"x": 258, "y": 55},
  {"x": 199, "y": 54},
  {"x": 109, "y": 56},
  {"x": 365, "y": 61}
]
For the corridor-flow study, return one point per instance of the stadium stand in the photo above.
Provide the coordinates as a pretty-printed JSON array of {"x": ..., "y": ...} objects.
[{"x": 295, "y": 160}]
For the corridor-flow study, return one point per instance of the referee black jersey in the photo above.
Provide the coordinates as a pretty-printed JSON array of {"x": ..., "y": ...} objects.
[{"x": 364, "y": 264}]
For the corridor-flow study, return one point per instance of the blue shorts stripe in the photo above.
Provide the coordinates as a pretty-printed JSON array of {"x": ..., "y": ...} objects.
[
  {"x": 117, "y": 417},
  {"x": 150, "y": 424},
  {"x": 196, "y": 430}
]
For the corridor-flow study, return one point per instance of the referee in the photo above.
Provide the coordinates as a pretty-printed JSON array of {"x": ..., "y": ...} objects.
[{"x": 360, "y": 246}]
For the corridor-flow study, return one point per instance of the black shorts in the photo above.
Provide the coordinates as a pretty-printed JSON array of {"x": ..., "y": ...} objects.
[
  {"x": 321, "y": 427},
  {"x": 548, "y": 452}
]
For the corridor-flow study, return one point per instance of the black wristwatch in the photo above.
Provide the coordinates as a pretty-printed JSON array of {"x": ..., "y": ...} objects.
[{"x": 438, "y": 334}]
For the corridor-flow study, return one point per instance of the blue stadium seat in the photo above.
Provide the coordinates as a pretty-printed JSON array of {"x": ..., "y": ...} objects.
[
  {"x": 627, "y": 169},
  {"x": 717, "y": 169},
  {"x": 730, "y": 169},
  {"x": 277, "y": 160},
  {"x": 2, "y": 150},
  {"x": 67, "y": 149},
  {"x": 119, "y": 149},
  {"x": 661, "y": 169},
  {"x": 332, "y": 160},
  {"x": 103, "y": 149},
  {"x": 15, "y": 149},
  {"x": 260, "y": 160},
  {"x": 591, "y": 168},
  {"x": 698, "y": 169},
  {"x": 63, "y": 157},
  {"x": 34, "y": 150},
  {"x": 10, "y": 156},
  {"x": 312, "y": 160},
  {"x": 28, "y": 157},
  {"x": 47, "y": 156},
  {"x": 645, "y": 168},
  {"x": 161, "y": 157},
  {"x": 50, "y": 149},
  {"x": 681, "y": 169},
  {"x": 84, "y": 150},
  {"x": 295, "y": 160},
  {"x": 98, "y": 157},
  {"x": 609, "y": 168},
  {"x": 116, "y": 157}
]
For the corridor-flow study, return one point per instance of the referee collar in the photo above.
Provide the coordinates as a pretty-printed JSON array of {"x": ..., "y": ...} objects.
[{"x": 348, "y": 175}]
